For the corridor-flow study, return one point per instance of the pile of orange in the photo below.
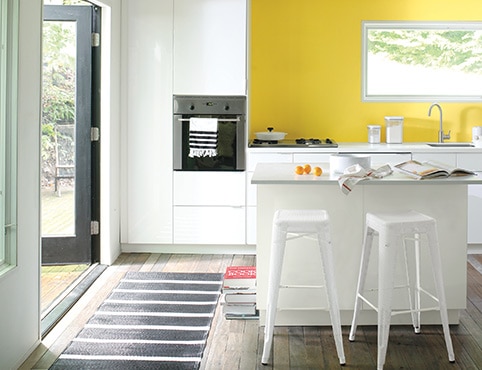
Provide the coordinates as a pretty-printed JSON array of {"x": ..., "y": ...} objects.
[{"x": 306, "y": 170}]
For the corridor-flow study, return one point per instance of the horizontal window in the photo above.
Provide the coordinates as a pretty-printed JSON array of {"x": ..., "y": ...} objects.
[{"x": 422, "y": 61}]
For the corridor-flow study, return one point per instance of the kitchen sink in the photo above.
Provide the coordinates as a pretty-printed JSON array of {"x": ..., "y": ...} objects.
[{"x": 449, "y": 145}]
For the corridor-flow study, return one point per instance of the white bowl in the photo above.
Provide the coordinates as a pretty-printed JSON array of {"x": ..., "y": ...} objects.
[{"x": 340, "y": 161}]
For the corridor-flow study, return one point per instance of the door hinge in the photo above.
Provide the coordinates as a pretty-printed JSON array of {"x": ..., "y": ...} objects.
[
  {"x": 94, "y": 134},
  {"x": 95, "y": 39},
  {"x": 94, "y": 228}
]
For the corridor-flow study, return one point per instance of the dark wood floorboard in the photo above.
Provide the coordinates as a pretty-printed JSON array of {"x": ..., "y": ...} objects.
[{"x": 237, "y": 344}]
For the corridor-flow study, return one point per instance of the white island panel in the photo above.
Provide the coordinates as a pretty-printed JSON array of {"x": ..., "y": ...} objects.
[{"x": 280, "y": 188}]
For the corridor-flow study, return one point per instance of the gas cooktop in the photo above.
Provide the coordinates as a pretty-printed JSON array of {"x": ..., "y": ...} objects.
[{"x": 297, "y": 143}]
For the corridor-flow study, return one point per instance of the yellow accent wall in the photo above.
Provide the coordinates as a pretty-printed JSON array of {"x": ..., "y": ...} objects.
[{"x": 305, "y": 69}]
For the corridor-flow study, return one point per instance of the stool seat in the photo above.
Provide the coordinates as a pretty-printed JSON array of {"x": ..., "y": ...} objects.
[
  {"x": 393, "y": 230},
  {"x": 300, "y": 224}
]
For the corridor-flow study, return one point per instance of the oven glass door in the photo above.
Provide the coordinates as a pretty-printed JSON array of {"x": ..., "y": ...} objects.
[{"x": 227, "y": 147}]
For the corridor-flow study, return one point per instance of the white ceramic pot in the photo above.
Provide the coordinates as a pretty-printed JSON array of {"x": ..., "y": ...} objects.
[
  {"x": 339, "y": 162},
  {"x": 270, "y": 135}
]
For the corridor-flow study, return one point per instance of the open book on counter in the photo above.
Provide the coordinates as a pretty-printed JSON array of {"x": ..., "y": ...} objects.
[{"x": 429, "y": 169}]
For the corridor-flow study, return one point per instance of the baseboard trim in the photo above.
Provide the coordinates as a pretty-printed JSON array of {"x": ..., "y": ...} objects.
[
  {"x": 189, "y": 248},
  {"x": 474, "y": 249}
]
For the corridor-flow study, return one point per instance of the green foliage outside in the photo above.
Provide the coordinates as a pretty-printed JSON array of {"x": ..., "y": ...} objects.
[
  {"x": 454, "y": 49},
  {"x": 58, "y": 96}
]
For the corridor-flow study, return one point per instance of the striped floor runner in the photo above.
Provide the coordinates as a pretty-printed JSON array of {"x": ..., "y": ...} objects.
[{"x": 152, "y": 320}]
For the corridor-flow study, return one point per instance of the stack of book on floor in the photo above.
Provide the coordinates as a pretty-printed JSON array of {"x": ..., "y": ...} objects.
[{"x": 239, "y": 288}]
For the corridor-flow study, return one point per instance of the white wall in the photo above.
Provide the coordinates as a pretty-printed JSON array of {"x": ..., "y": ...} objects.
[
  {"x": 110, "y": 130},
  {"x": 19, "y": 289}
]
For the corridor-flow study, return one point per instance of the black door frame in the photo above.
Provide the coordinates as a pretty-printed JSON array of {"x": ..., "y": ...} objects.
[{"x": 81, "y": 247}]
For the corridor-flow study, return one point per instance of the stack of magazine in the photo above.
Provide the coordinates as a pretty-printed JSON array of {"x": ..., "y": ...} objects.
[{"x": 239, "y": 293}]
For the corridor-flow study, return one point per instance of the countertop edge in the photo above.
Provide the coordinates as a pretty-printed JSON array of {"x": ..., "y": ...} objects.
[{"x": 369, "y": 148}]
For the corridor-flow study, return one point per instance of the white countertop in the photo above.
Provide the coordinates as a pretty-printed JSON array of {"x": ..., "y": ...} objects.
[
  {"x": 284, "y": 174},
  {"x": 365, "y": 147}
]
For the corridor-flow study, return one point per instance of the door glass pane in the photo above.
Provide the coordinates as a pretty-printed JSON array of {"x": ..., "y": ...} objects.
[
  {"x": 8, "y": 133},
  {"x": 58, "y": 128}
]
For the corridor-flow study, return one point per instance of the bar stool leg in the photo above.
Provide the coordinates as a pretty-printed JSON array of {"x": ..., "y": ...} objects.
[
  {"x": 366, "y": 250},
  {"x": 413, "y": 285},
  {"x": 276, "y": 262},
  {"x": 439, "y": 288},
  {"x": 387, "y": 252},
  {"x": 324, "y": 241},
  {"x": 417, "y": 322}
]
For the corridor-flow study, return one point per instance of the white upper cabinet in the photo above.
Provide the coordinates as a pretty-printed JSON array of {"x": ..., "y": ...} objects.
[{"x": 210, "y": 47}]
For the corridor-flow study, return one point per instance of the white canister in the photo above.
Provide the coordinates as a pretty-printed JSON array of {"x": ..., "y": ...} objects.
[
  {"x": 374, "y": 134},
  {"x": 394, "y": 129},
  {"x": 476, "y": 133}
]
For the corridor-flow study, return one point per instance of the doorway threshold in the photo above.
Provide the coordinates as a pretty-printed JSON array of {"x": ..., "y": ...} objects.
[{"x": 64, "y": 303}]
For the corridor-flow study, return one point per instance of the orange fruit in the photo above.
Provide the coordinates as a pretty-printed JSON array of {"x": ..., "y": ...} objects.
[
  {"x": 299, "y": 170},
  {"x": 317, "y": 171},
  {"x": 307, "y": 168}
]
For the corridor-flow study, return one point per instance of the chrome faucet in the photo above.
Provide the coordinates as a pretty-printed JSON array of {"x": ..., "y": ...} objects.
[{"x": 441, "y": 135}]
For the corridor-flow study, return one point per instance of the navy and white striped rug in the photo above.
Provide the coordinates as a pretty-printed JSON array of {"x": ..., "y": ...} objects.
[{"x": 152, "y": 320}]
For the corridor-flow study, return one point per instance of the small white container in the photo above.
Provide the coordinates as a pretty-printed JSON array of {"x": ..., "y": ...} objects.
[
  {"x": 394, "y": 129},
  {"x": 476, "y": 133},
  {"x": 374, "y": 132}
]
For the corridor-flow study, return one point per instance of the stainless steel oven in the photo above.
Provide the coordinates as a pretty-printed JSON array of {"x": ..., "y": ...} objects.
[{"x": 209, "y": 133}]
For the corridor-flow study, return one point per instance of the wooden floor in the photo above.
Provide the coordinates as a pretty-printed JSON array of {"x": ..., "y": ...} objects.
[
  {"x": 236, "y": 344},
  {"x": 55, "y": 280}
]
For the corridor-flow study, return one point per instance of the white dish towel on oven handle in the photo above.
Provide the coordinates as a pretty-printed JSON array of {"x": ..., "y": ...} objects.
[{"x": 203, "y": 137}]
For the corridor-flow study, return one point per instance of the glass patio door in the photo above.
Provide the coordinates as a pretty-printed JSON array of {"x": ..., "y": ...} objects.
[{"x": 66, "y": 135}]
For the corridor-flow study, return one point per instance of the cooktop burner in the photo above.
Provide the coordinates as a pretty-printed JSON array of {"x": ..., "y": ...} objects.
[{"x": 297, "y": 143}]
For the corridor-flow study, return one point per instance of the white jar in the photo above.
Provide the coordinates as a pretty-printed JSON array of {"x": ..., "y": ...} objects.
[
  {"x": 394, "y": 129},
  {"x": 374, "y": 134}
]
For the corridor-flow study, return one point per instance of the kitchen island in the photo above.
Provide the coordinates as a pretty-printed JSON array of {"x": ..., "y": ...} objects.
[{"x": 278, "y": 187}]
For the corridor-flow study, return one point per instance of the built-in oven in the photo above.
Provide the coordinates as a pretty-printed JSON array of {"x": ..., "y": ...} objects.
[{"x": 209, "y": 133}]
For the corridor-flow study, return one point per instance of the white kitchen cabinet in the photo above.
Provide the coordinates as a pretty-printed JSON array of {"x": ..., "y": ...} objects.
[
  {"x": 210, "y": 47},
  {"x": 209, "y": 207},
  {"x": 252, "y": 159},
  {"x": 377, "y": 159},
  {"x": 380, "y": 159},
  {"x": 209, "y": 188},
  {"x": 251, "y": 224},
  {"x": 473, "y": 162},
  {"x": 311, "y": 158},
  {"x": 209, "y": 225},
  {"x": 146, "y": 119},
  {"x": 447, "y": 158}
]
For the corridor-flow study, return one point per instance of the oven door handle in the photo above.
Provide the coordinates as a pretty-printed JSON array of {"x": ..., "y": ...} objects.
[{"x": 219, "y": 119}]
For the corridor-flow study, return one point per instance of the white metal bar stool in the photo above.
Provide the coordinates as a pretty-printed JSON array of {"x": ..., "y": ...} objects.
[
  {"x": 299, "y": 224},
  {"x": 393, "y": 229}
]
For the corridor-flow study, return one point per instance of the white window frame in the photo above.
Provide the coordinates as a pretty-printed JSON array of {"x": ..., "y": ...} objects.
[
  {"x": 8, "y": 133},
  {"x": 415, "y": 25}
]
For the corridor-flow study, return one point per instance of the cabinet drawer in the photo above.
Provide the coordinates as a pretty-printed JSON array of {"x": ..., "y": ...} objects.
[
  {"x": 311, "y": 158},
  {"x": 470, "y": 161},
  {"x": 209, "y": 188},
  {"x": 447, "y": 158},
  {"x": 209, "y": 225},
  {"x": 379, "y": 159},
  {"x": 254, "y": 158}
]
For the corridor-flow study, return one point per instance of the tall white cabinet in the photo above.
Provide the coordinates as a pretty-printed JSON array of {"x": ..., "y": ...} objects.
[
  {"x": 192, "y": 47},
  {"x": 210, "y": 47},
  {"x": 146, "y": 215}
]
